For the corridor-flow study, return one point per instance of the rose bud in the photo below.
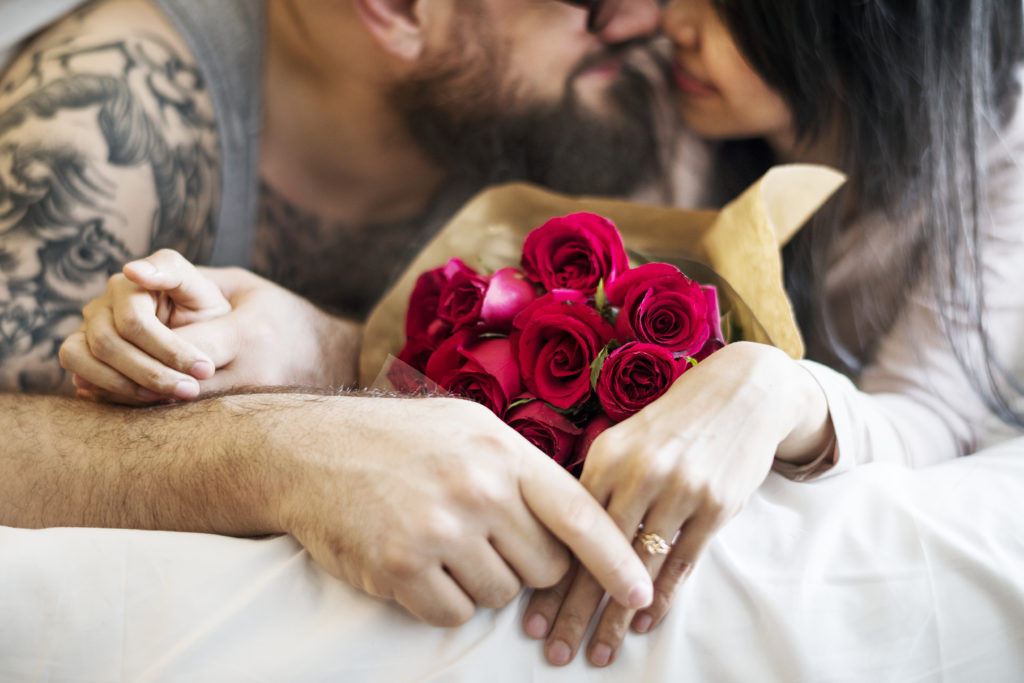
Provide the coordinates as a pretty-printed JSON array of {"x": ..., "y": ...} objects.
[
  {"x": 717, "y": 339},
  {"x": 574, "y": 252},
  {"x": 591, "y": 431},
  {"x": 555, "y": 339},
  {"x": 633, "y": 375},
  {"x": 482, "y": 370},
  {"x": 545, "y": 428},
  {"x": 659, "y": 305},
  {"x": 508, "y": 292},
  {"x": 461, "y": 296}
]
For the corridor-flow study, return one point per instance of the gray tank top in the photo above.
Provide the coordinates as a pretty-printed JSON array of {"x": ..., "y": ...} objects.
[{"x": 228, "y": 40}]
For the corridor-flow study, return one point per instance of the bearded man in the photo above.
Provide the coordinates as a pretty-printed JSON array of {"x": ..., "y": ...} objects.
[{"x": 317, "y": 142}]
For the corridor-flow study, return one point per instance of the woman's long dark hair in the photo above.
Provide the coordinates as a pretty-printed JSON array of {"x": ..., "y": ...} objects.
[{"x": 918, "y": 88}]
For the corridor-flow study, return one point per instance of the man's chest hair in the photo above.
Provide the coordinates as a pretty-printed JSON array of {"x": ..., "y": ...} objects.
[{"x": 343, "y": 268}]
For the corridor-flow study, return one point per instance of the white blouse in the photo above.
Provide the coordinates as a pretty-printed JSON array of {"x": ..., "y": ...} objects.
[{"x": 913, "y": 404}]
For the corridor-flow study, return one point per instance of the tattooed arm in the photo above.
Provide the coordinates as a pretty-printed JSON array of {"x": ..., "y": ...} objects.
[{"x": 108, "y": 151}]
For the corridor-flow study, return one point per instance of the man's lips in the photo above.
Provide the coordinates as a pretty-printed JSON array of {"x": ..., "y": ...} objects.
[{"x": 689, "y": 84}]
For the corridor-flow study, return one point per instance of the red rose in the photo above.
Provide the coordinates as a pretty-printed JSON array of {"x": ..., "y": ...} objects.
[
  {"x": 660, "y": 305},
  {"x": 508, "y": 292},
  {"x": 574, "y": 252},
  {"x": 555, "y": 339},
  {"x": 633, "y": 375},
  {"x": 545, "y": 428},
  {"x": 591, "y": 431},
  {"x": 482, "y": 370},
  {"x": 422, "y": 311},
  {"x": 717, "y": 339},
  {"x": 461, "y": 296},
  {"x": 417, "y": 352}
]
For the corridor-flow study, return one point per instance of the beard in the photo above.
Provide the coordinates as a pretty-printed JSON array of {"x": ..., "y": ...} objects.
[{"x": 462, "y": 110}]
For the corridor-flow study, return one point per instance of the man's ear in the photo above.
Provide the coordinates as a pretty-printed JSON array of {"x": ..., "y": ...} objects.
[{"x": 396, "y": 24}]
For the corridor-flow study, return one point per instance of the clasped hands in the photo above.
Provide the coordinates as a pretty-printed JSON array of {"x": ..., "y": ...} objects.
[{"x": 490, "y": 512}]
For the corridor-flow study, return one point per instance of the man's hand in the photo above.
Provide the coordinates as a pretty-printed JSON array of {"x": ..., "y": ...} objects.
[
  {"x": 163, "y": 326},
  {"x": 438, "y": 505}
]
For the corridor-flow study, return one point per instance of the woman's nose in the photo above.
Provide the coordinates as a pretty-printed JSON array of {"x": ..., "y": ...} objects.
[{"x": 680, "y": 24}]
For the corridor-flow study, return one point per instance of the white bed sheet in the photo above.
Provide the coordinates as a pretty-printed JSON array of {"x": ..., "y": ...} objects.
[{"x": 882, "y": 574}]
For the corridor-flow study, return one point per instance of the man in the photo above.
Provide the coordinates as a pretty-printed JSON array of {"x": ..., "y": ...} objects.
[{"x": 135, "y": 124}]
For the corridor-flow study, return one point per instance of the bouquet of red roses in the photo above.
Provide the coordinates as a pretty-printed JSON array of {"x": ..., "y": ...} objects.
[{"x": 568, "y": 344}]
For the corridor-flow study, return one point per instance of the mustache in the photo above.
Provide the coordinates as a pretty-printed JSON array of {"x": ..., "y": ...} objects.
[{"x": 631, "y": 53}]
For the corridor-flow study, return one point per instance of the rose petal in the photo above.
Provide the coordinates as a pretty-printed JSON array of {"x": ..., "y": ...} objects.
[{"x": 508, "y": 293}]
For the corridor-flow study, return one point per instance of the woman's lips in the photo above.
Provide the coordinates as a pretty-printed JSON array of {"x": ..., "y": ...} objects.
[
  {"x": 607, "y": 67},
  {"x": 689, "y": 84}
]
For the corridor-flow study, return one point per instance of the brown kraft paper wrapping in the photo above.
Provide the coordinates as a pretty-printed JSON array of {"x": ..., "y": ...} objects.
[{"x": 740, "y": 243}]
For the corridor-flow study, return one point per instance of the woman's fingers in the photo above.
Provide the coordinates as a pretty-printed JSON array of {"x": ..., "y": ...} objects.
[
  {"x": 106, "y": 346},
  {"x": 196, "y": 298},
  {"x": 136, "y": 321},
  {"x": 574, "y": 616},
  {"x": 670, "y": 510},
  {"x": 88, "y": 373},
  {"x": 692, "y": 540},
  {"x": 218, "y": 339},
  {"x": 543, "y": 606}
]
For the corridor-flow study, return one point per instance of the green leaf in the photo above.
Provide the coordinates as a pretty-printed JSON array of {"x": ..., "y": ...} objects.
[
  {"x": 600, "y": 297},
  {"x": 598, "y": 363},
  {"x": 520, "y": 402}
]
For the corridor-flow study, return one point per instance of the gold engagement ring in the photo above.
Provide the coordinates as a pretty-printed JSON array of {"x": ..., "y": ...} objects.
[{"x": 653, "y": 543}]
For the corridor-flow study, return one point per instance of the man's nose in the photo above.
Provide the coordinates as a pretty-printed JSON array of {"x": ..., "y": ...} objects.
[{"x": 634, "y": 19}]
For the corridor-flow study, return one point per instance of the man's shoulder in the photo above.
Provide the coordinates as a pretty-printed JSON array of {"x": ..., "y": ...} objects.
[{"x": 109, "y": 150}]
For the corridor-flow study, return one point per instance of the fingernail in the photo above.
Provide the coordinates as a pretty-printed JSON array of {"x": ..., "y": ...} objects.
[
  {"x": 81, "y": 382},
  {"x": 187, "y": 389},
  {"x": 642, "y": 623},
  {"x": 144, "y": 394},
  {"x": 536, "y": 626},
  {"x": 203, "y": 369},
  {"x": 559, "y": 653},
  {"x": 142, "y": 267},
  {"x": 600, "y": 655},
  {"x": 641, "y": 595}
]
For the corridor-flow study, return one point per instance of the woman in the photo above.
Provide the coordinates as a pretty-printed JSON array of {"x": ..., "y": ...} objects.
[{"x": 906, "y": 287}]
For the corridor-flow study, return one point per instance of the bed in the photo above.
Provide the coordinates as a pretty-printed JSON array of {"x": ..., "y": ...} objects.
[{"x": 880, "y": 574}]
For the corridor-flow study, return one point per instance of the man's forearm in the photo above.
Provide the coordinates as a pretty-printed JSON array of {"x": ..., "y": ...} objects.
[{"x": 207, "y": 466}]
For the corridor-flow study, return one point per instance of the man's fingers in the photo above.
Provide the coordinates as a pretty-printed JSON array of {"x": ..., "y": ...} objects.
[
  {"x": 571, "y": 513},
  {"x": 196, "y": 297},
  {"x": 435, "y": 598},
  {"x": 484, "y": 575}
]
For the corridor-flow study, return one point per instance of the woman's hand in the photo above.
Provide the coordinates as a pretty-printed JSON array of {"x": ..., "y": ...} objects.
[
  {"x": 166, "y": 330},
  {"x": 126, "y": 350},
  {"x": 681, "y": 468}
]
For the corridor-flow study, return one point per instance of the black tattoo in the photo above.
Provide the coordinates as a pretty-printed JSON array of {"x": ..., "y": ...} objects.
[
  {"x": 344, "y": 268},
  {"x": 107, "y": 152}
]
